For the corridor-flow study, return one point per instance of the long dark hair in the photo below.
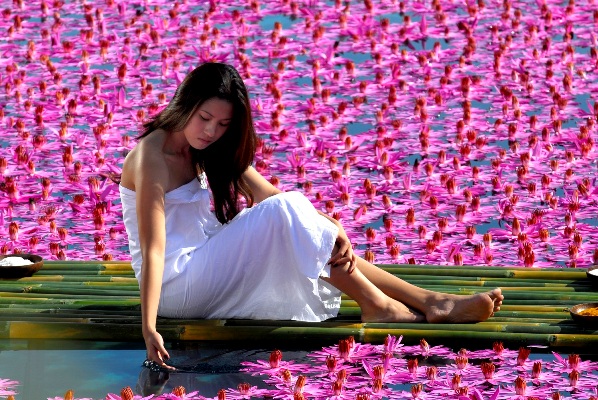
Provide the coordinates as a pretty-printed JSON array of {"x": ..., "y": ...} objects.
[{"x": 225, "y": 160}]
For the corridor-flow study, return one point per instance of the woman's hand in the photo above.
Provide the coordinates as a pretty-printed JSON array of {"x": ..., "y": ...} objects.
[
  {"x": 344, "y": 254},
  {"x": 156, "y": 351}
]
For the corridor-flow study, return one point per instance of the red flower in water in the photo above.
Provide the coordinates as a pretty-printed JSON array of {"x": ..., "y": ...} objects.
[
  {"x": 275, "y": 358},
  {"x": 523, "y": 356},
  {"x": 520, "y": 386},
  {"x": 416, "y": 390}
]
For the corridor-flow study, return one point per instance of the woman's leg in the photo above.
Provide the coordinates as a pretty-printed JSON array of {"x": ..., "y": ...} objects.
[
  {"x": 384, "y": 297},
  {"x": 437, "y": 307},
  {"x": 375, "y": 305}
]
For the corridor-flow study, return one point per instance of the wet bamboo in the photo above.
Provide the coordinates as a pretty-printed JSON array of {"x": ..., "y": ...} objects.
[
  {"x": 79, "y": 293},
  {"x": 541, "y": 308},
  {"x": 428, "y": 277},
  {"x": 94, "y": 302},
  {"x": 77, "y": 278},
  {"x": 533, "y": 315},
  {"x": 120, "y": 272},
  {"x": 488, "y": 326},
  {"x": 506, "y": 288},
  {"x": 86, "y": 267},
  {"x": 57, "y": 313},
  {"x": 58, "y": 307},
  {"x": 85, "y": 262},
  {"x": 504, "y": 283},
  {"x": 497, "y": 272},
  {"x": 28, "y": 286},
  {"x": 518, "y": 294}
]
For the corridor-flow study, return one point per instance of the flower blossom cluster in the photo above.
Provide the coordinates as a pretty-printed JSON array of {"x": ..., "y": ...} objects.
[{"x": 436, "y": 132}]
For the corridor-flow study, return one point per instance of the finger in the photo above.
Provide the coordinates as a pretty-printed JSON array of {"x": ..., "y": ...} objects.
[
  {"x": 164, "y": 353},
  {"x": 335, "y": 259},
  {"x": 336, "y": 256},
  {"x": 343, "y": 261},
  {"x": 353, "y": 264},
  {"x": 344, "y": 247},
  {"x": 159, "y": 360}
]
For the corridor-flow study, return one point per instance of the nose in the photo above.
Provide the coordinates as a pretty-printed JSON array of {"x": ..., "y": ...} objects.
[{"x": 210, "y": 129}]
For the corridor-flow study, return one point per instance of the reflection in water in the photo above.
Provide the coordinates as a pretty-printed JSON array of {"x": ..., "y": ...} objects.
[
  {"x": 206, "y": 370},
  {"x": 151, "y": 382}
]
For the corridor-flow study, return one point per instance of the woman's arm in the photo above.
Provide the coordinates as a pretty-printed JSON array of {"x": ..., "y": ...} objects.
[
  {"x": 150, "y": 177},
  {"x": 260, "y": 187}
]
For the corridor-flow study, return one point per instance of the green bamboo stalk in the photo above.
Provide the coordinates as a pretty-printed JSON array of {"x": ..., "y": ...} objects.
[
  {"x": 554, "y": 316},
  {"x": 497, "y": 272},
  {"x": 72, "y": 294},
  {"x": 71, "y": 331},
  {"x": 65, "y": 292},
  {"x": 479, "y": 268},
  {"x": 533, "y": 316},
  {"x": 87, "y": 267},
  {"x": 489, "y": 326},
  {"x": 563, "y": 319},
  {"x": 17, "y": 312},
  {"x": 122, "y": 272},
  {"x": 456, "y": 286},
  {"x": 431, "y": 278},
  {"x": 11, "y": 286},
  {"x": 503, "y": 283},
  {"x": 518, "y": 294},
  {"x": 85, "y": 262},
  {"x": 43, "y": 306},
  {"x": 76, "y": 278},
  {"x": 93, "y": 302},
  {"x": 532, "y": 308}
]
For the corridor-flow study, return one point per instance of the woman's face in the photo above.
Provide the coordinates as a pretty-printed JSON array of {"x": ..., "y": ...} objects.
[{"x": 209, "y": 122}]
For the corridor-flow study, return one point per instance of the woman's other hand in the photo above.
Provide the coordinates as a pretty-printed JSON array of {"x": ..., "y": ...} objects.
[
  {"x": 344, "y": 253},
  {"x": 156, "y": 351}
]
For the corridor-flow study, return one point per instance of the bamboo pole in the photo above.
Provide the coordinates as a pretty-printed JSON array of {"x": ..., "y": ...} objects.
[
  {"x": 497, "y": 272},
  {"x": 86, "y": 262},
  {"x": 68, "y": 294},
  {"x": 504, "y": 283},
  {"x": 120, "y": 302},
  {"x": 87, "y": 266},
  {"x": 83, "y": 285},
  {"x": 100, "y": 301},
  {"x": 98, "y": 272},
  {"x": 472, "y": 278},
  {"x": 75, "y": 278}
]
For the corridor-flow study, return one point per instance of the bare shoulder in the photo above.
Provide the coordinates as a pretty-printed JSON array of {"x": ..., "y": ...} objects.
[{"x": 145, "y": 160}]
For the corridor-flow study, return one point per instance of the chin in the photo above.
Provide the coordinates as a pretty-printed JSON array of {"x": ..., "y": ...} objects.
[{"x": 201, "y": 146}]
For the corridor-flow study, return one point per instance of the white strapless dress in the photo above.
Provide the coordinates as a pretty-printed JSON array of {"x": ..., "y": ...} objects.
[{"x": 264, "y": 264}]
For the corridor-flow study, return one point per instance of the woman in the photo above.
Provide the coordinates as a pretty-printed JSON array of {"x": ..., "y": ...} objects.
[{"x": 277, "y": 258}]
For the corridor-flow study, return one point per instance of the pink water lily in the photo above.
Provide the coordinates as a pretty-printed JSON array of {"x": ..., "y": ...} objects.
[{"x": 6, "y": 387}]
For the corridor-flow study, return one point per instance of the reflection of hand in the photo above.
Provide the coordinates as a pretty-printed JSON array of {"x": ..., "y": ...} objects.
[
  {"x": 151, "y": 381},
  {"x": 344, "y": 253},
  {"x": 156, "y": 351}
]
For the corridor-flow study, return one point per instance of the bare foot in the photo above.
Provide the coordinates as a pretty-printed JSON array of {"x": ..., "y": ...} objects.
[
  {"x": 392, "y": 311},
  {"x": 450, "y": 308}
]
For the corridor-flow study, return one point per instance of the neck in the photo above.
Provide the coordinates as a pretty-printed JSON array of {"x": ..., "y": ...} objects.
[{"x": 176, "y": 144}]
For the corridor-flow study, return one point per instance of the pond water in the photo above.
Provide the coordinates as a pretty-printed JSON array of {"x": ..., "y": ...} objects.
[
  {"x": 92, "y": 369},
  {"x": 47, "y": 369}
]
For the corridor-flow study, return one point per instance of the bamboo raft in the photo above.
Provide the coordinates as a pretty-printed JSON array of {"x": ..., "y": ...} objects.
[{"x": 99, "y": 301}]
